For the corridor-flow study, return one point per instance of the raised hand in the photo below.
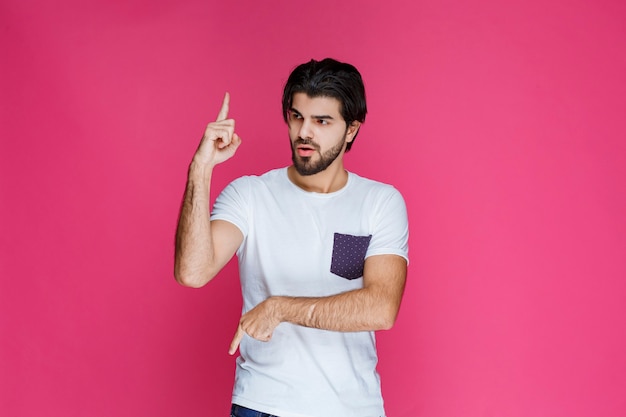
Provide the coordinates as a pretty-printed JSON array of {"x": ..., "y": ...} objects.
[
  {"x": 202, "y": 250},
  {"x": 220, "y": 142}
]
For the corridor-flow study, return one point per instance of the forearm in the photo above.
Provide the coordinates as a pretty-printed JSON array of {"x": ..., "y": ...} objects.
[
  {"x": 373, "y": 307},
  {"x": 359, "y": 310},
  {"x": 194, "y": 244}
]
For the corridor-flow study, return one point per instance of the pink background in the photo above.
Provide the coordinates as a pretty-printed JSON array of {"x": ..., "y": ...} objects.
[{"x": 501, "y": 122}]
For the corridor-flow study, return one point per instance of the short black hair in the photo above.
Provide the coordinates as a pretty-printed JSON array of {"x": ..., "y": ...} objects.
[{"x": 329, "y": 78}]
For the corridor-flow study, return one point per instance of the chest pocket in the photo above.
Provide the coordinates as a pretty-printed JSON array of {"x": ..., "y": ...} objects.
[{"x": 349, "y": 255}]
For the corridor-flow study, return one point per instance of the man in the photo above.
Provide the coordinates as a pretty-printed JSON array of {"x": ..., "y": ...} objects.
[{"x": 322, "y": 254}]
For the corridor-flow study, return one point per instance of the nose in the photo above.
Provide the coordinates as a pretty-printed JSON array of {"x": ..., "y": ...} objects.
[{"x": 305, "y": 131}]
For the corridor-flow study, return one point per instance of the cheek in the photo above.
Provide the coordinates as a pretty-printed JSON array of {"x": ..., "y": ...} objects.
[
  {"x": 293, "y": 133},
  {"x": 293, "y": 128},
  {"x": 334, "y": 134}
]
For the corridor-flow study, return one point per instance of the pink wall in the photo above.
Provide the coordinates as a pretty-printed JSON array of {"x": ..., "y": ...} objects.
[{"x": 501, "y": 122}]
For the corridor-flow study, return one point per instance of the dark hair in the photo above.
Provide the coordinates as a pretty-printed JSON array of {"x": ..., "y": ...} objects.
[{"x": 329, "y": 78}]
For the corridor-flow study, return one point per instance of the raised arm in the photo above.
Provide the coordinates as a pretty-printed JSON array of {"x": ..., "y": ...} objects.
[
  {"x": 373, "y": 307},
  {"x": 204, "y": 247}
]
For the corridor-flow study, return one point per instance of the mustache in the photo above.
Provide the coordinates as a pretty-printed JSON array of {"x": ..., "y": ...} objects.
[{"x": 307, "y": 142}]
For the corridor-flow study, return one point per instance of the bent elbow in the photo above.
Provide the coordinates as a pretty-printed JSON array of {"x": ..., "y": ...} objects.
[
  {"x": 387, "y": 320},
  {"x": 386, "y": 324},
  {"x": 191, "y": 280}
]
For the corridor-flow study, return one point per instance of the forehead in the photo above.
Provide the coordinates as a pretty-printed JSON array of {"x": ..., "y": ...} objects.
[{"x": 316, "y": 106}]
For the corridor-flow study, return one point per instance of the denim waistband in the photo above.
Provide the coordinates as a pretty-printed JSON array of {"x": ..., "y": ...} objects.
[{"x": 239, "y": 411}]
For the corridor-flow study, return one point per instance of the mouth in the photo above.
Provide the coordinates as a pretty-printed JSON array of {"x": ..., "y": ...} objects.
[{"x": 305, "y": 149}]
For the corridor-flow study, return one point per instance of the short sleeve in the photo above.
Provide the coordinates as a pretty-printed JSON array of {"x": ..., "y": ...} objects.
[
  {"x": 390, "y": 226},
  {"x": 231, "y": 204}
]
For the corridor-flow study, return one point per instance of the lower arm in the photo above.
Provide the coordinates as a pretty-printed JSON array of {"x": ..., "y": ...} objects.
[
  {"x": 193, "y": 234},
  {"x": 358, "y": 310}
]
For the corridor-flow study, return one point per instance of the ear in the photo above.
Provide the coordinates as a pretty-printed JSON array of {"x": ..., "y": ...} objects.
[{"x": 353, "y": 129}]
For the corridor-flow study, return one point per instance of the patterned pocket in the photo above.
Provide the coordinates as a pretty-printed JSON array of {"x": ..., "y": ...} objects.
[{"x": 349, "y": 255}]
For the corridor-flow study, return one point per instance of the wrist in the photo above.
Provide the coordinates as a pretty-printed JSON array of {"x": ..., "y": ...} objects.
[
  {"x": 199, "y": 171},
  {"x": 276, "y": 304}
]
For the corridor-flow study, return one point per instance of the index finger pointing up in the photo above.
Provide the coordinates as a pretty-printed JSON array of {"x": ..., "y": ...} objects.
[{"x": 223, "y": 114}]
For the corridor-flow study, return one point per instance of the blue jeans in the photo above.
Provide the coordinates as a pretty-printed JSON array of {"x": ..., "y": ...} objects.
[{"x": 239, "y": 411}]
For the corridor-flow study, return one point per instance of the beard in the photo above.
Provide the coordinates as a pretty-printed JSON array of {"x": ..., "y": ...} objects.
[{"x": 305, "y": 165}]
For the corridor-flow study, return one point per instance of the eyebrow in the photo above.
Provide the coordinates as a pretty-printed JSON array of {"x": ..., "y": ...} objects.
[{"x": 320, "y": 117}]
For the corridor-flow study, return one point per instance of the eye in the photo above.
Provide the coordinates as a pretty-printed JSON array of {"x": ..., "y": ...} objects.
[
  {"x": 322, "y": 121},
  {"x": 294, "y": 116}
]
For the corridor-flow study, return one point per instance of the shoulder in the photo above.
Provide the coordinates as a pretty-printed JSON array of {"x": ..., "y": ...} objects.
[
  {"x": 241, "y": 196},
  {"x": 374, "y": 189},
  {"x": 249, "y": 187},
  {"x": 269, "y": 178},
  {"x": 377, "y": 198}
]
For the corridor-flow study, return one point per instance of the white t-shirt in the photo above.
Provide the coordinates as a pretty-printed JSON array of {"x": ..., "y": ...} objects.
[{"x": 299, "y": 243}]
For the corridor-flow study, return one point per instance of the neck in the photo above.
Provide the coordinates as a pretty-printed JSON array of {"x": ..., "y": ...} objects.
[{"x": 332, "y": 179}]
